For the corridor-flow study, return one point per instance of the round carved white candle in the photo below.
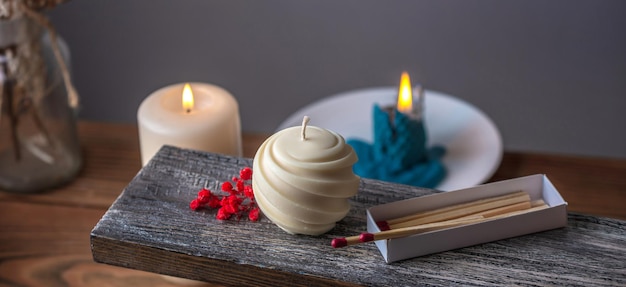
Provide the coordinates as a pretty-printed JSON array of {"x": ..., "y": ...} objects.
[
  {"x": 303, "y": 178},
  {"x": 208, "y": 120}
]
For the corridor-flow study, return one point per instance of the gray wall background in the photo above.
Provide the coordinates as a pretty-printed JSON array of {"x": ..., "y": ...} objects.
[{"x": 551, "y": 74}]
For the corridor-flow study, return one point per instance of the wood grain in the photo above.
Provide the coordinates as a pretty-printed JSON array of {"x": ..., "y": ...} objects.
[
  {"x": 589, "y": 185},
  {"x": 47, "y": 245},
  {"x": 150, "y": 227},
  {"x": 44, "y": 238}
]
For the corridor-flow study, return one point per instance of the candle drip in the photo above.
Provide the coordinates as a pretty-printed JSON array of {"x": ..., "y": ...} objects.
[{"x": 399, "y": 153}]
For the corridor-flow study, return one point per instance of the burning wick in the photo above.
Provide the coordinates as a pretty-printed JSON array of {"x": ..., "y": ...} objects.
[
  {"x": 405, "y": 94},
  {"x": 187, "y": 98}
]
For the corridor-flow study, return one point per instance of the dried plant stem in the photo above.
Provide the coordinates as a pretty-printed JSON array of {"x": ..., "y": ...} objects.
[
  {"x": 27, "y": 105},
  {"x": 23, "y": 71},
  {"x": 39, "y": 123},
  {"x": 43, "y": 4},
  {"x": 7, "y": 99},
  {"x": 43, "y": 21}
]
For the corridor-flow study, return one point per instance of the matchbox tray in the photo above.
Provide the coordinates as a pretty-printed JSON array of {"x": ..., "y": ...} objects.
[{"x": 537, "y": 186}]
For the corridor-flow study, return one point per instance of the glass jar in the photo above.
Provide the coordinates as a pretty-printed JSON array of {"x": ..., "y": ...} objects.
[{"x": 39, "y": 146}]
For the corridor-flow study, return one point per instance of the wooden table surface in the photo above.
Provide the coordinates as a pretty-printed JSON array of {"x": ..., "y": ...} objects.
[{"x": 44, "y": 238}]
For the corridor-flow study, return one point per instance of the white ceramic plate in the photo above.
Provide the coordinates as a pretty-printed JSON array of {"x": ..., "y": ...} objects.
[{"x": 473, "y": 143}]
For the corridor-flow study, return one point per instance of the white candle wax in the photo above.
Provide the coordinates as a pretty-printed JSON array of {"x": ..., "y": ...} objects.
[
  {"x": 212, "y": 125},
  {"x": 303, "y": 185}
]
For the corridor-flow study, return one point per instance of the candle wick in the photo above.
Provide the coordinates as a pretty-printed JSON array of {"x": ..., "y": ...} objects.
[
  {"x": 188, "y": 110},
  {"x": 305, "y": 121},
  {"x": 418, "y": 108}
]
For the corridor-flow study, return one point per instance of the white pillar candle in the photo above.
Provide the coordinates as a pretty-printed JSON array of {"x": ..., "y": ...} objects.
[{"x": 210, "y": 124}]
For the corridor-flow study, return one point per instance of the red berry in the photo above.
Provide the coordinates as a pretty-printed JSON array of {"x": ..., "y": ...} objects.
[
  {"x": 238, "y": 201},
  {"x": 235, "y": 200},
  {"x": 224, "y": 201},
  {"x": 254, "y": 214},
  {"x": 233, "y": 204},
  {"x": 240, "y": 185},
  {"x": 227, "y": 205},
  {"x": 245, "y": 173},
  {"x": 214, "y": 202},
  {"x": 204, "y": 196},
  {"x": 222, "y": 214},
  {"x": 194, "y": 204},
  {"x": 227, "y": 186},
  {"x": 247, "y": 190}
]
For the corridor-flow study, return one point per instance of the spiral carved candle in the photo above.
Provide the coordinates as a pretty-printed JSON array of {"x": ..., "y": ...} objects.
[{"x": 303, "y": 178}]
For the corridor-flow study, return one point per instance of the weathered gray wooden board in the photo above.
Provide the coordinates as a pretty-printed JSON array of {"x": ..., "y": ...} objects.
[{"x": 150, "y": 227}]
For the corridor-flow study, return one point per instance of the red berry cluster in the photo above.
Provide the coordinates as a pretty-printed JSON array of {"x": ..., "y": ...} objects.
[{"x": 235, "y": 200}]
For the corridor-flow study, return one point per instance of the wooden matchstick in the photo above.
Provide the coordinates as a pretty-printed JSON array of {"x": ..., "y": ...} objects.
[
  {"x": 456, "y": 211},
  {"x": 503, "y": 209},
  {"x": 455, "y": 207},
  {"x": 412, "y": 230},
  {"x": 402, "y": 232},
  {"x": 538, "y": 202}
]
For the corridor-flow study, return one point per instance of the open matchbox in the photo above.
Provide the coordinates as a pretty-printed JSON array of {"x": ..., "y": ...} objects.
[{"x": 537, "y": 186}]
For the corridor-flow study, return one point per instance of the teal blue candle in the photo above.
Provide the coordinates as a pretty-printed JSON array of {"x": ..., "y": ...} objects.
[{"x": 398, "y": 152}]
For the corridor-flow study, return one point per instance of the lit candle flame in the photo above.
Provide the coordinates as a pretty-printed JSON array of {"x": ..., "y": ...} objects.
[
  {"x": 405, "y": 94},
  {"x": 187, "y": 98}
]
